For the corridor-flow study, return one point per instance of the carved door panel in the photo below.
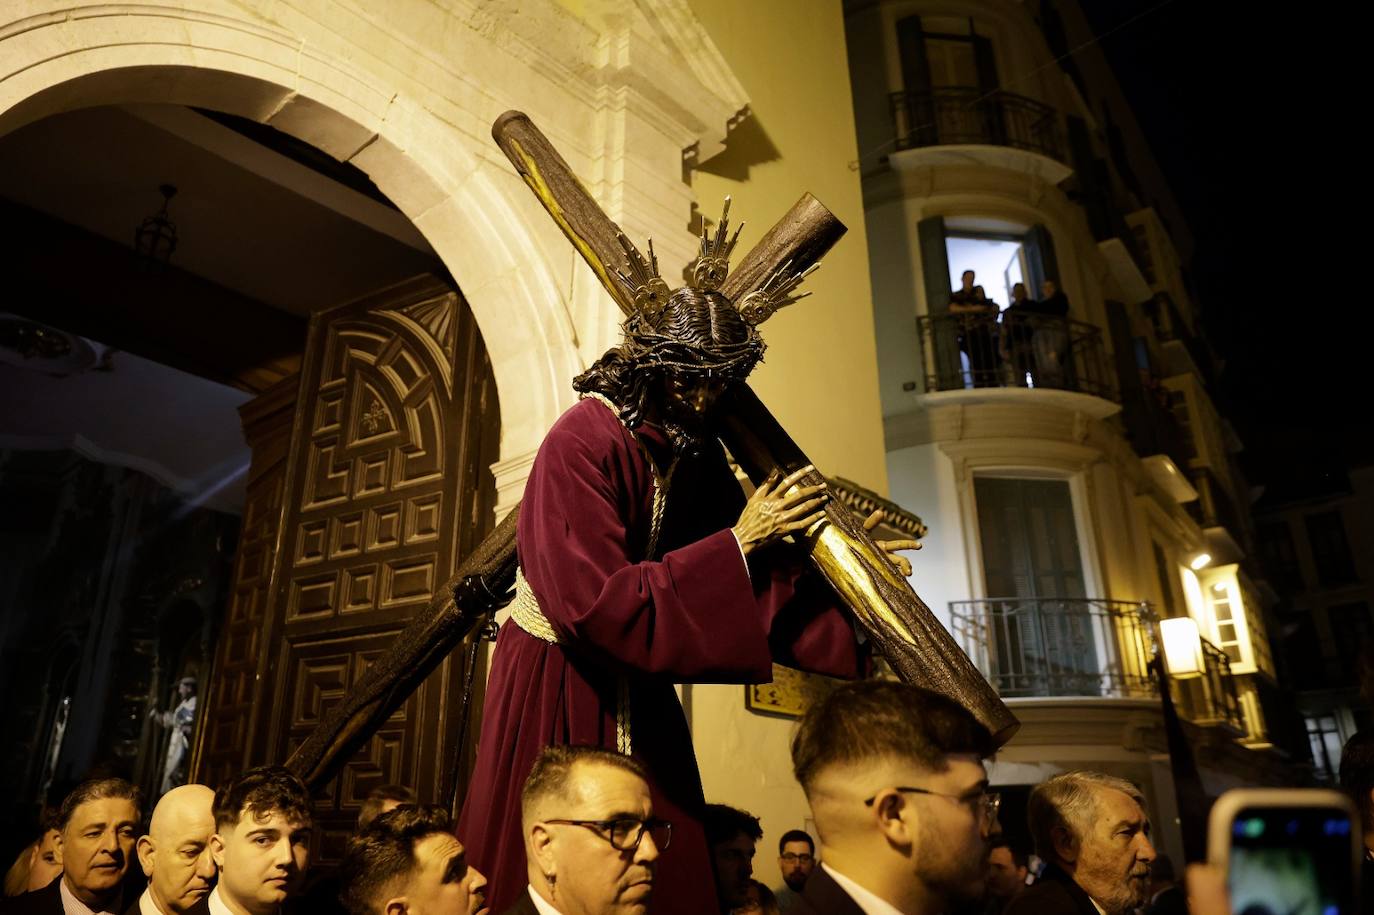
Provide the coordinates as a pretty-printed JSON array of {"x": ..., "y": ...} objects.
[
  {"x": 386, "y": 487},
  {"x": 221, "y": 741}
]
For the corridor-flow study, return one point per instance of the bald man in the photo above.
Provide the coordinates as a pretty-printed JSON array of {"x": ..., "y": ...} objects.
[{"x": 175, "y": 854}]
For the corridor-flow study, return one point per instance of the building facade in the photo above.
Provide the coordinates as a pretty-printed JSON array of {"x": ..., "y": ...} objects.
[
  {"x": 1317, "y": 551},
  {"x": 1077, "y": 478}
]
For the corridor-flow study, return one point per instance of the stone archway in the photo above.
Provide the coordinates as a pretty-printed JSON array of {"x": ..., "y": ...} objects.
[{"x": 458, "y": 193}]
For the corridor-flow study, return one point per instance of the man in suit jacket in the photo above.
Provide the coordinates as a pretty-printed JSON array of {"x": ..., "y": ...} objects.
[
  {"x": 261, "y": 843},
  {"x": 591, "y": 838},
  {"x": 1092, "y": 831},
  {"x": 98, "y": 822},
  {"x": 895, "y": 779},
  {"x": 408, "y": 860},
  {"x": 175, "y": 854}
]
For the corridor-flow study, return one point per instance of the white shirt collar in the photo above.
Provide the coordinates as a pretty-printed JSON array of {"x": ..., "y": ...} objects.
[
  {"x": 541, "y": 905},
  {"x": 71, "y": 905},
  {"x": 146, "y": 906},
  {"x": 871, "y": 903}
]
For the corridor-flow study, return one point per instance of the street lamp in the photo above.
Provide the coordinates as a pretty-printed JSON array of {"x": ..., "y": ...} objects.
[
  {"x": 1182, "y": 647},
  {"x": 1200, "y": 561}
]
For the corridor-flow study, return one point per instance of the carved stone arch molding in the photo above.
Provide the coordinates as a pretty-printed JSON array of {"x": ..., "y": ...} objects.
[{"x": 447, "y": 180}]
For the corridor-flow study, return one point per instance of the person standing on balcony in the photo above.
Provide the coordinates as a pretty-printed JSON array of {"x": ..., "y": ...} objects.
[
  {"x": 1018, "y": 331},
  {"x": 1051, "y": 339},
  {"x": 977, "y": 329}
]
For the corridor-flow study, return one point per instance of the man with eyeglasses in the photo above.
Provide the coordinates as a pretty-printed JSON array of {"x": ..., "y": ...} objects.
[
  {"x": 896, "y": 783},
  {"x": 592, "y": 842},
  {"x": 796, "y": 860}
]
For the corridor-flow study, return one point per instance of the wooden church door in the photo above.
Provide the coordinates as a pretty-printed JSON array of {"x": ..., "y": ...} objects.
[{"x": 370, "y": 481}]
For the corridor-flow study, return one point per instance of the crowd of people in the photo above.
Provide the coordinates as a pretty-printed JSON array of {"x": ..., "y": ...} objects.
[
  {"x": 1026, "y": 344},
  {"x": 905, "y": 824}
]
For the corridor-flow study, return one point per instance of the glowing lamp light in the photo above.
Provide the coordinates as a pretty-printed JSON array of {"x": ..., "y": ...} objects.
[
  {"x": 1182, "y": 646},
  {"x": 1200, "y": 561}
]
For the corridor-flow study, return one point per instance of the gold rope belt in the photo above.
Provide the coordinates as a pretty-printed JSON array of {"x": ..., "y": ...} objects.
[{"x": 526, "y": 613}]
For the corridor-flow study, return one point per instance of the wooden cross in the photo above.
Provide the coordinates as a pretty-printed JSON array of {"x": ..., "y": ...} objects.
[{"x": 901, "y": 626}]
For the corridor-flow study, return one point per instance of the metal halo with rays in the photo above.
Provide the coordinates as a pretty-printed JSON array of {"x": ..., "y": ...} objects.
[
  {"x": 775, "y": 293},
  {"x": 650, "y": 292},
  {"x": 713, "y": 263},
  {"x": 648, "y": 289}
]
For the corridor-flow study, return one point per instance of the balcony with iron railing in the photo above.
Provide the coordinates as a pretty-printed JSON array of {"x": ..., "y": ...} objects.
[
  {"x": 988, "y": 354},
  {"x": 969, "y": 116},
  {"x": 1052, "y": 648}
]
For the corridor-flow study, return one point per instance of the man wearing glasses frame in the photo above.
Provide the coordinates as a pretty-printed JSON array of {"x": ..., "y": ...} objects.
[
  {"x": 900, "y": 798},
  {"x": 592, "y": 841}
]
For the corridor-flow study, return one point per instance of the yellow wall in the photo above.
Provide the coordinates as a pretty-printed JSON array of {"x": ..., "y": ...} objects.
[{"x": 820, "y": 376}]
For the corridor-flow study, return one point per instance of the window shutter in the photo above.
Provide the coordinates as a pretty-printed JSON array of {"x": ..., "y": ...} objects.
[
  {"x": 1040, "y": 259},
  {"x": 911, "y": 49}
]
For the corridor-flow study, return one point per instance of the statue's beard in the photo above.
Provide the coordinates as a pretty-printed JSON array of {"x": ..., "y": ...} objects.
[{"x": 687, "y": 438}]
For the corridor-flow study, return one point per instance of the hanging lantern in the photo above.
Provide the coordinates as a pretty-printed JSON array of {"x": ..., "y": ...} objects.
[{"x": 156, "y": 237}]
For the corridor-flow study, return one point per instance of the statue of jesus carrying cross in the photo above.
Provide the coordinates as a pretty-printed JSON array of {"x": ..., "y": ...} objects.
[{"x": 642, "y": 566}]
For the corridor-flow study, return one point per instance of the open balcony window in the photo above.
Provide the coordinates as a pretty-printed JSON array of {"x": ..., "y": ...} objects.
[{"x": 1032, "y": 345}]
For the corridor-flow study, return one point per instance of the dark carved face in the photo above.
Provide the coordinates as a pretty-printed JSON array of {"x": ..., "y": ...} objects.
[{"x": 687, "y": 404}]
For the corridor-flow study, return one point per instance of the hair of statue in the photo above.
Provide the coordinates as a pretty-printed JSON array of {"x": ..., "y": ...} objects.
[
  {"x": 875, "y": 720},
  {"x": 1069, "y": 800},
  {"x": 262, "y": 791},
  {"x": 722, "y": 823},
  {"x": 381, "y": 856},
  {"x": 796, "y": 835},
  {"x": 552, "y": 773},
  {"x": 696, "y": 334},
  {"x": 98, "y": 789}
]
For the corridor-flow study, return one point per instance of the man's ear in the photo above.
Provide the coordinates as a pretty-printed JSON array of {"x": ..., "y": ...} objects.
[
  {"x": 398, "y": 906},
  {"x": 541, "y": 847},
  {"x": 217, "y": 849},
  {"x": 145, "y": 848},
  {"x": 57, "y": 848},
  {"x": 1065, "y": 845},
  {"x": 887, "y": 812}
]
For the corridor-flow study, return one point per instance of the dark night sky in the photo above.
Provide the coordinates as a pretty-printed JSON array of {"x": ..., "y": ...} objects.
[{"x": 1250, "y": 120}]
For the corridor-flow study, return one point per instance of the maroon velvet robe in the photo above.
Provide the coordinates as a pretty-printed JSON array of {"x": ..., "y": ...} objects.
[{"x": 695, "y": 614}]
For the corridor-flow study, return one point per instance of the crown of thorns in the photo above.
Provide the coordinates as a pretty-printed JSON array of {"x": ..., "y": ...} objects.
[{"x": 650, "y": 293}]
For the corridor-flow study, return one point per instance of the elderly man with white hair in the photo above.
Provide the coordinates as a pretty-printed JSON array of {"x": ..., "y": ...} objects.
[{"x": 1093, "y": 832}]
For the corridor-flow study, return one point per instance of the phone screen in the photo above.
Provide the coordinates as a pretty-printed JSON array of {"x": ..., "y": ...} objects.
[{"x": 1290, "y": 860}]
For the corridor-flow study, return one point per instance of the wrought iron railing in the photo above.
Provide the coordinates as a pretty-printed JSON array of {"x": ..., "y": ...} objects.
[
  {"x": 965, "y": 115},
  {"x": 1211, "y": 697},
  {"x": 1013, "y": 351},
  {"x": 1059, "y": 647}
]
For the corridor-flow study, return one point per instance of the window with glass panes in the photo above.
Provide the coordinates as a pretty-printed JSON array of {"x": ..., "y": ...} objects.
[
  {"x": 1223, "y": 615},
  {"x": 1324, "y": 737},
  {"x": 1330, "y": 550}
]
